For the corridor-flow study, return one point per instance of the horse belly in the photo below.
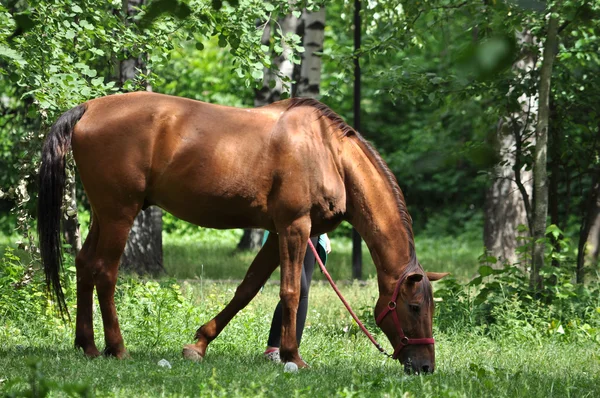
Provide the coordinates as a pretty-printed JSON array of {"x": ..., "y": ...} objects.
[
  {"x": 212, "y": 199},
  {"x": 215, "y": 212}
]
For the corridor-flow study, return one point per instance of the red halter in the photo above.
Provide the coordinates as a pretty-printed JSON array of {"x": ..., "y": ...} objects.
[{"x": 404, "y": 341}]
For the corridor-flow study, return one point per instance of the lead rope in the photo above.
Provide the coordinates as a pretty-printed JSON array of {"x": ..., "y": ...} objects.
[{"x": 337, "y": 291}]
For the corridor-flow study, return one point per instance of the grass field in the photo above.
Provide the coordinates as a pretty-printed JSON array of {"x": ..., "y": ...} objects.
[
  {"x": 343, "y": 363},
  {"x": 521, "y": 358},
  {"x": 194, "y": 257}
]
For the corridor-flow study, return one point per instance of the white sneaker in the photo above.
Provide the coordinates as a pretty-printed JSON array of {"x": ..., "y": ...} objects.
[{"x": 272, "y": 355}]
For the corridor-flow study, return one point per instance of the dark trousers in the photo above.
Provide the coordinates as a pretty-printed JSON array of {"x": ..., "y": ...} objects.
[{"x": 307, "y": 273}]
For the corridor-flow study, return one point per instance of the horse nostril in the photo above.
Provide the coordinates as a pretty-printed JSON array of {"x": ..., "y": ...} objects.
[{"x": 426, "y": 368}]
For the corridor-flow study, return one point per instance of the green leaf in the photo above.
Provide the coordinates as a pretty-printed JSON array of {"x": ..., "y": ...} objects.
[
  {"x": 222, "y": 41},
  {"x": 199, "y": 46},
  {"x": 76, "y": 9},
  {"x": 257, "y": 74},
  {"x": 477, "y": 281},
  {"x": 485, "y": 270},
  {"x": 553, "y": 230},
  {"x": 7, "y": 52}
]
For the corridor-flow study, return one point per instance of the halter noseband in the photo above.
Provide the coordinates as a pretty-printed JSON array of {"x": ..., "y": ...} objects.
[{"x": 404, "y": 341}]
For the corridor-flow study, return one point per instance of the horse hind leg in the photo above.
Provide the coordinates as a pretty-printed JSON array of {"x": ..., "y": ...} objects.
[
  {"x": 84, "y": 328},
  {"x": 112, "y": 237},
  {"x": 261, "y": 268}
]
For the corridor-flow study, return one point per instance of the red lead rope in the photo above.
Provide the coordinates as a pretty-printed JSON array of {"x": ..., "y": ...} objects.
[
  {"x": 404, "y": 341},
  {"x": 337, "y": 291}
]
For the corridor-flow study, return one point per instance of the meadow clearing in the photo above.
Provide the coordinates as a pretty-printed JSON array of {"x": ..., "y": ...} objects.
[{"x": 506, "y": 350}]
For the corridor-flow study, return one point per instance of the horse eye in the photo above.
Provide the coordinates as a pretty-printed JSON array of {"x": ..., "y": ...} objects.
[{"x": 415, "y": 308}]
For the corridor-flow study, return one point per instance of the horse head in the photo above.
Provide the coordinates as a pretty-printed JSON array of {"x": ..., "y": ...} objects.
[{"x": 406, "y": 317}]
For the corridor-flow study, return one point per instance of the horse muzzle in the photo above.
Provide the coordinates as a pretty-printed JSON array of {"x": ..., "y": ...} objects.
[{"x": 418, "y": 367}]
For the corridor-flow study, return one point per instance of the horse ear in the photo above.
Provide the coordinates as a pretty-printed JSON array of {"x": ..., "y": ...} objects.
[
  {"x": 436, "y": 276},
  {"x": 414, "y": 278}
]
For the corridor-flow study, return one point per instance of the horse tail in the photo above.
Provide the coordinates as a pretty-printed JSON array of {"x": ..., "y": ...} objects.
[{"x": 52, "y": 180}]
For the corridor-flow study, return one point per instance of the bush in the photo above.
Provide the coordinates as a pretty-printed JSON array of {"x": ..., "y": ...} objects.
[{"x": 500, "y": 301}]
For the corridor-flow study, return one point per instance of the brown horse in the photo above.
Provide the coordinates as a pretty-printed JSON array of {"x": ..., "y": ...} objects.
[{"x": 294, "y": 168}]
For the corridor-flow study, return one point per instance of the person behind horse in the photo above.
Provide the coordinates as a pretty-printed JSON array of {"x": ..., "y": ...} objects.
[{"x": 323, "y": 246}]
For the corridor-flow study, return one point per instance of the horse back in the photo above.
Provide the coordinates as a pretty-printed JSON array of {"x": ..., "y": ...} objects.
[{"x": 211, "y": 165}]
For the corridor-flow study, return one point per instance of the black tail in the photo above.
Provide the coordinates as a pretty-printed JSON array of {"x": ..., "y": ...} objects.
[{"x": 51, "y": 190}]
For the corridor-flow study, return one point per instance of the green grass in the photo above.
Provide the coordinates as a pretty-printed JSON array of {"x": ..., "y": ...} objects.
[
  {"x": 195, "y": 257},
  {"x": 343, "y": 363},
  {"x": 158, "y": 318}
]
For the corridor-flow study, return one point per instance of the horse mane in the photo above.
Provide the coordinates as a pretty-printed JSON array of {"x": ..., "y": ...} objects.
[{"x": 338, "y": 123}]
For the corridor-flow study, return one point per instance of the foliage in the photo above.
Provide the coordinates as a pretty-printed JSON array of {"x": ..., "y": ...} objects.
[{"x": 500, "y": 301}]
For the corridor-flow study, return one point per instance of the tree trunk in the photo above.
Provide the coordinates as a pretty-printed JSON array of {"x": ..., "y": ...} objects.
[
  {"x": 507, "y": 201},
  {"x": 143, "y": 252},
  {"x": 590, "y": 228},
  {"x": 71, "y": 223},
  {"x": 277, "y": 84},
  {"x": 593, "y": 238},
  {"x": 505, "y": 206},
  {"x": 251, "y": 239},
  {"x": 540, "y": 173},
  {"x": 311, "y": 28}
]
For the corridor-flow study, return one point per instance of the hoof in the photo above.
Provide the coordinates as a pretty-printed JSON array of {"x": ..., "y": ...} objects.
[
  {"x": 192, "y": 353},
  {"x": 92, "y": 353},
  {"x": 119, "y": 353}
]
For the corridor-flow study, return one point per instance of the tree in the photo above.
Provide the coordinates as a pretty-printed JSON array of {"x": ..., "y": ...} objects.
[
  {"x": 540, "y": 173},
  {"x": 589, "y": 237},
  {"x": 311, "y": 28},
  {"x": 507, "y": 203}
]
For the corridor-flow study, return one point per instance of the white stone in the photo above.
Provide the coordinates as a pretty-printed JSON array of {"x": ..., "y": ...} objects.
[{"x": 290, "y": 367}]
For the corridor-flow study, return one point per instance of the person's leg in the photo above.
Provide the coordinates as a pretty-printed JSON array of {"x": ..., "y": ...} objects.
[{"x": 275, "y": 332}]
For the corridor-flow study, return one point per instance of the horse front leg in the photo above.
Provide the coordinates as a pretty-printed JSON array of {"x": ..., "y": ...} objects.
[
  {"x": 292, "y": 246},
  {"x": 261, "y": 268}
]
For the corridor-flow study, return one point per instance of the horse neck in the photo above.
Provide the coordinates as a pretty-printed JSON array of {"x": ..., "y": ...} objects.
[{"x": 374, "y": 210}]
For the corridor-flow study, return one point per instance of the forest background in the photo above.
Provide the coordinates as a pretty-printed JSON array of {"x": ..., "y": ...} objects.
[{"x": 486, "y": 112}]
